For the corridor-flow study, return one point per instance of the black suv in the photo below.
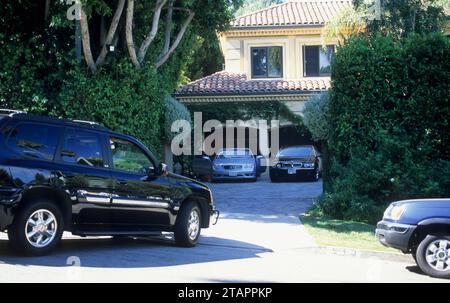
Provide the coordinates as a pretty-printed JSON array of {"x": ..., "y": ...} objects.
[{"x": 59, "y": 175}]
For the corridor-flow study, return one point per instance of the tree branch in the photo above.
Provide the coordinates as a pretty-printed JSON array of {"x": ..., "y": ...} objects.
[
  {"x": 111, "y": 33},
  {"x": 129, "y": 34},
  {"x": 86, "y": 39},
  {"x": 177, "y": 40},
  {"x": 154, "y": 30}
]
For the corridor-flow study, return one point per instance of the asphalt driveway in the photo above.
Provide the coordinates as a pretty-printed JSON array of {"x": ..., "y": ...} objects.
[
  {"x": 266, "y": 198},
  {"x": 258, "y": 239}
]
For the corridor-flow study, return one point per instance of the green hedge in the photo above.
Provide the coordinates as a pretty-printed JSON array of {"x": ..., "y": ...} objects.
[
  {"x": 389, "y": 117},
  {"x": 124, "y": 99}
]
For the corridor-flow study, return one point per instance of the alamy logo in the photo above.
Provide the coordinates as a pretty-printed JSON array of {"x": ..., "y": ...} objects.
[
  {"x": 74, "y": 11},
  {"x": 374, "y": 10}
]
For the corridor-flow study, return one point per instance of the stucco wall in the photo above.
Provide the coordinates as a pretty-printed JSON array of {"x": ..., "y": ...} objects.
[{"x": 236, "y": 50}]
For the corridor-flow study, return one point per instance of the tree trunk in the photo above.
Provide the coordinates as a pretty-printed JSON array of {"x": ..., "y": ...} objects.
[
  {"x": 86, "y": 39},
  {"x": 129, "y": 34},
  {"x": 154, "y": 30},
  {"x": 47, "y": 9},
  {"x": 168, "y": 31},
  {"x": 111, "y": 33},
  {"x": 177, "y": 41}
]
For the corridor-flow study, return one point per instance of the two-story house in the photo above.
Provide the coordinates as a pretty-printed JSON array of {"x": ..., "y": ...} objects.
[{"x": 274, "y": 54}]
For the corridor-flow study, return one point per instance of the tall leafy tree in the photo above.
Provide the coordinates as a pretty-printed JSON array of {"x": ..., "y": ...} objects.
[
  {"x": 402, "y": 17},
  {"x": 398, "y": 18},
  {"x": 153, "y": 30}
]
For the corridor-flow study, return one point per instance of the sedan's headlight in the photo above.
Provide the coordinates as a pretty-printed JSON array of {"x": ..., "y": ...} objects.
[
  {"x": 249, "y": 166},
  {"x": 395, "y": 212},
  {"x": 308, "y": 165}
]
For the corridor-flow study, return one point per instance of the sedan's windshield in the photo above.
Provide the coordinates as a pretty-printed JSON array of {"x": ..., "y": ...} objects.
[
  {"x": 292, "y": 152},
  {"x": 235, "y": 153}
]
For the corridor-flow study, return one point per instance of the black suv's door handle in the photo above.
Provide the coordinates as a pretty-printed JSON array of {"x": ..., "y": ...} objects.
[
  {"x": 122, "y": 182},
  {"x": 60, "y": 174}
]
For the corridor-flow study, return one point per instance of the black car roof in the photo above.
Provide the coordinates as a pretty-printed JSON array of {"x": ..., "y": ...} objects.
[
  {"x": 57, "y": 121},
  {"x": 65, "y": 122}
]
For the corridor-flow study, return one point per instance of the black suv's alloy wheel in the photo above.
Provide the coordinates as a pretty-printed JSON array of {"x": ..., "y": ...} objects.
[
  {"x": 188, "y": 225},
  {"x": 37, "y": 228}
]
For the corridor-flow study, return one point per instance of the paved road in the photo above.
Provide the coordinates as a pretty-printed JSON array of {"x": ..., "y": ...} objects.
[{"x": 258, "y": 239}]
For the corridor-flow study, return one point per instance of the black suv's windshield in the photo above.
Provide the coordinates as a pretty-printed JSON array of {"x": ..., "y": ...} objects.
[{"x": 292, "y": 152}]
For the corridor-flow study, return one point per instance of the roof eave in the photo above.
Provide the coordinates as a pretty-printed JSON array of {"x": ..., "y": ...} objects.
[
  {"x": 234, "y": 94},
  {"x": 273, "y": 27}
]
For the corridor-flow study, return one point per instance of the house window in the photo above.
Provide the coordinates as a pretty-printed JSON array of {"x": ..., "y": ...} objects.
[
  {"x": 317, "y": 60},
  {"x": 267, "y": 62}
]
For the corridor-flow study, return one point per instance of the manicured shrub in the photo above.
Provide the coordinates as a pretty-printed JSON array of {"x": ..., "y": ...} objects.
[
  {"x": 315, "y": 116},
  {"x": 125, "y": 100},
  {"x": 173, "y": 111},
  {"x": 389, "y": 116}
]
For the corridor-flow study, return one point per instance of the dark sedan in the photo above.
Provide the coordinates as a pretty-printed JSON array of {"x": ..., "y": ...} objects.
[{"x": 296, "y": 162}]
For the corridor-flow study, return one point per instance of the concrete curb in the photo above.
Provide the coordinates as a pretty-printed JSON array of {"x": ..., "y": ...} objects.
[{"x": 360, "y": 253}]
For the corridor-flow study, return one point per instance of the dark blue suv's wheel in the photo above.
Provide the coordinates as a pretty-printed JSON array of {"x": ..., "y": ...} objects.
[{"x": 433, "y": 256}]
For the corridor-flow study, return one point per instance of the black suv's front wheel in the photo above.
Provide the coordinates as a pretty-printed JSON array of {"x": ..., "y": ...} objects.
[
  {"x": 189, "y": 224},
  {"x": 37, "y": 228},
  {"x": 433, "y": 256}
]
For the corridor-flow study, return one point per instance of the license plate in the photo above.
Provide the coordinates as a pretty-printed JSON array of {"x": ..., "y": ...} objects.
[
  {"x": 292, "y": 171},
  {"x": 233, "y": 174}
]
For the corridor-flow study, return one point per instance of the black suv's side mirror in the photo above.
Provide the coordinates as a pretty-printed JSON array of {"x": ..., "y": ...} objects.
[{"x": 161, "y": 170}]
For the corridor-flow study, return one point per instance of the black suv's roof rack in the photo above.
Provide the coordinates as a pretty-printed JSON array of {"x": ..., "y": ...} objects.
[
  {"x": 89, "y": 123},
  {"x": 10, "y": 112},
  {"x": 86, "y": 122}
]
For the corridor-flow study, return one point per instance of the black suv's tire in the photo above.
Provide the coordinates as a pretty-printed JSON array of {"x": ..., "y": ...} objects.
[
  {"x": 425, "y": 256},
  {"x": 37, "y": 229},
  {"x": 188, "y": 225}
]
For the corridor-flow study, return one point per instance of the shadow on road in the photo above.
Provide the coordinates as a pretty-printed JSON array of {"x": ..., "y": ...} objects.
[{"x": 134, "y": 253}]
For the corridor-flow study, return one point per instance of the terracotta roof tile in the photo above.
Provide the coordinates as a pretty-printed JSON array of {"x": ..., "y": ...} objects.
[
  {"x": 293, "y": 13},
  {"x": 224, "y": 83}
]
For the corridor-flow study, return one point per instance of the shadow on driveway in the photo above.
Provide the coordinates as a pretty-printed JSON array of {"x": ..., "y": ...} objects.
[{"x": 134, "y": 253}]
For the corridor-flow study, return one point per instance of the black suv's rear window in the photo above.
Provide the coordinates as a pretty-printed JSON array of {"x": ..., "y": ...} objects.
[{"x": 34, "y": 140}]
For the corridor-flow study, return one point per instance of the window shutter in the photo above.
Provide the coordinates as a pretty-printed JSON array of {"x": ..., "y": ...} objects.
[{"x": 311, "y": 61}]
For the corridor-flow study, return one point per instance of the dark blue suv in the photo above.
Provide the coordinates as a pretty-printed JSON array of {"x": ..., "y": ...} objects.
[{"x": 422, "y": 228}]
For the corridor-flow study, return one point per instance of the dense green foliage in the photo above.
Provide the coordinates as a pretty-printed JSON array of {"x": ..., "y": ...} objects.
[
  {"x": 123, "y": 100},
  {"x": 206, "y": 59},
  {"x": 403, "y": 17},
  {"x": 246, "y": 111},
  {"x": 316, "y": 116},
  {"x": 389, "y": 120},
  {"x": 173, "y": 111}
]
